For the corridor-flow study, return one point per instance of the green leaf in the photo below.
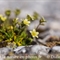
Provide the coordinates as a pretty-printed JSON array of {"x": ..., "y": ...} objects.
[
  {"x": 2, "y": 31},
  {"x": 10, "y": 33}
]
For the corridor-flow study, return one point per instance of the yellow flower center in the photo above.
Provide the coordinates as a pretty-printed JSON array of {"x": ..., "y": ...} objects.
[
  {"x": 26, "y": 22},
  {"x": 34, "y": 33}
]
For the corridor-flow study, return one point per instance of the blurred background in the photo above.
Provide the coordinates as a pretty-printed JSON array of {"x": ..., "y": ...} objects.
[{"x": 44, "y": 7}]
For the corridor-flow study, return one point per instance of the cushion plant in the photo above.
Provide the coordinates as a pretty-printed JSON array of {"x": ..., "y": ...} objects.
[{"x": 13, "y": 30}]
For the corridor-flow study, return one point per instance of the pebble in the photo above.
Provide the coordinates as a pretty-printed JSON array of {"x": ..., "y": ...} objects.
[
  {"x": 4, "y": 51},
  {"x": 56, "y": 49}
]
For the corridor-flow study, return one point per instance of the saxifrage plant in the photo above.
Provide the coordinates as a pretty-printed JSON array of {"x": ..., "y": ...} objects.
[{"x": 13, "y": 30}]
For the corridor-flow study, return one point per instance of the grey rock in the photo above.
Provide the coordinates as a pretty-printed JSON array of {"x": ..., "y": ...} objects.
[
  {"x": 4, "y": 51},
  {"x": 1, "y": 57},
  {"x": 32, "y": 50},
  {"x": 55, "y": 49},
  {"x": 40, "y": 49},
  {"x": 53, "y": 30},
  {"x": 20, "y": 49}
]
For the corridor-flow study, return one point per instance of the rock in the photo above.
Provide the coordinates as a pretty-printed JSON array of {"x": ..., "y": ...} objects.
[
  {"x": 1, "y": 57},
  {"x": 19, "y": 50},
  {"x": 41, "y": 41},
  {"x": 4, "y": 51},
  {"x": 32, "y": 50},
  {"x": 55, "y": 49},
  {"x": 40, "y": 49},
  {"x": 52, "y": 29}
]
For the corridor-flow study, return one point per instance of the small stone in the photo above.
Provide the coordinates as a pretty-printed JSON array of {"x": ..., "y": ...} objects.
[
  {"x": 4, "y": 51},
  {"x": 19, "y": 49},
  {"x": 56, "y": 49}
]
